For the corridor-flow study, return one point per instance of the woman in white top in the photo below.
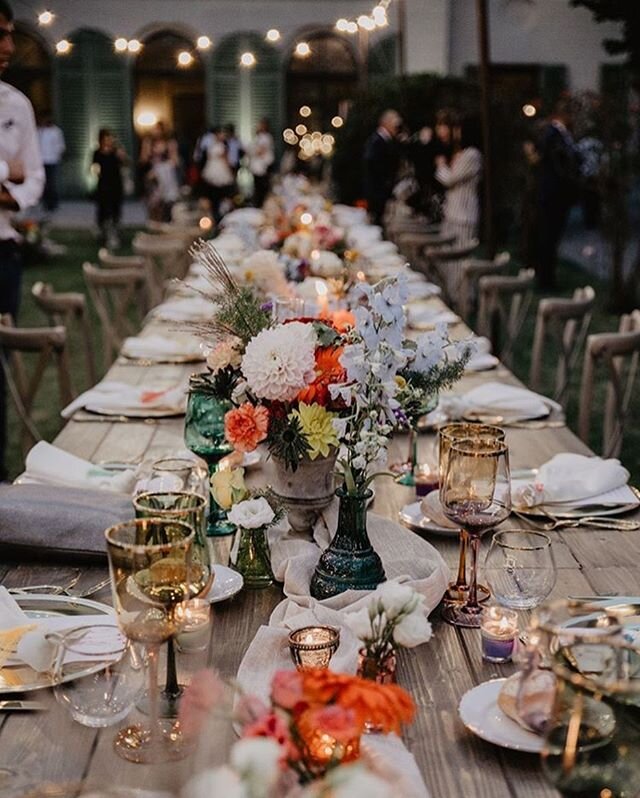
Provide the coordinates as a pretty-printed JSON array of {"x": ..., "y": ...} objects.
[
  {"x": 217, "y": 173},
  {"x": 461, "y": 178}
]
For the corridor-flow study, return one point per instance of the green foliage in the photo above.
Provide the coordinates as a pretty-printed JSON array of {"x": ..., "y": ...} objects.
[{"x": 287, "y": 442}]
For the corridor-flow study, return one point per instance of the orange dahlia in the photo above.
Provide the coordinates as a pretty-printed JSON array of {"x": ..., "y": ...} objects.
[
  {"x": 328, "y": 371},
  {"x": 246, "y": 426}
]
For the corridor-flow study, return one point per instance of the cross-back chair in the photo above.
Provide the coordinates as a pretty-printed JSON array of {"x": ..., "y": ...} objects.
[
  {"x": 618, "y": 353},
  {"x": 413, "y": 244},
  {"x": 69, "y": 310},
  {"x": 503, "y": 307},
  {"x": 119, "y": 297},
  {"x": 49, "y": 344},
  {"x": 565, "y": 321},
  {"x": 167, "y": 258},
  {"x": 443, "y": 264},
  {"x": 471, "y": 270}
]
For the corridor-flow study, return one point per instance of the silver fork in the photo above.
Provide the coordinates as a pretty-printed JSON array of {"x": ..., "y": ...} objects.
[
  {"x": 602, "y": 522},
  {"x": 57, "y": 590}
]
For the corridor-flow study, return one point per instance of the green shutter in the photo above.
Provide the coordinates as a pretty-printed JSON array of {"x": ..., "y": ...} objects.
[{"x": 93, "y": 89}]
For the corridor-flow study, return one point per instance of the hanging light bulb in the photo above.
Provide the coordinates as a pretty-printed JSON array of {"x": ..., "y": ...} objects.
[
  {"x": 273, "y": 35},
  {"x": 342, "y": 25},
  {"x": 337, "y": 121},
  {"x": 379, "y": 16},
  {"x": 120, "y": 44},
  {"x": 185, "y": 58},
  {"x": 248, "y": 60},
  {"x": 46, "y": 17},
  {"x": 134, "y": 46},
  {"x": 302, "y": 49},
  {"x": 63, "y": 47},
  {"x": 305, "y": 111},
  {"x": 352, "y": 27},
  {"x": 365, "y": 22},
  {"x": 203, "y": 43}
]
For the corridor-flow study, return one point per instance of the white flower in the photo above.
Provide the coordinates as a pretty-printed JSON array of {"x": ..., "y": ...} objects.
[
  {"x": 218, "y": 781},
  {"x": 227, "y": 353},
  {"x": 264, "y": 270},
  {"x": 412, "y": 630},
  {"x": 360, "y": 623},
  {"x": 396, "y": 598},
  {"x": 256, "y": 759},
  {"x": 279, "y": 362},
  {"x": 252, "y": 513},
  {"x": 354, "y": 781}
]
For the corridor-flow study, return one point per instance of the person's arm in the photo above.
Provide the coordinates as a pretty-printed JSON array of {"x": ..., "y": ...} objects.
[
  {"x": 466, "y": 166},
  {"x": 14, "y": 195}
]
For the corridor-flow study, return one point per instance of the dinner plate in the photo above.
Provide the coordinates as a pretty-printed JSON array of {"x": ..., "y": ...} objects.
[
  {"x": 135, "y": 412},
  {"x": 152, "y": 360},
  {"x": 480, "y": 713},
  {"x": 22, "y": 678},
  {"x": 591, "y": 510},
  {"x": 412, "y": 517},
  {"x": 226, "y": 584}
]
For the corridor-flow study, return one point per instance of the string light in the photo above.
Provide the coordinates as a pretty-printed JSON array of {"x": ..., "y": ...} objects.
[
  {"x": 185, "y": 58},
  {"x": 203, "y": 43},
  {"x": 337, "y": 121},
  {"x": 134, "y": 46},
  {"x": 352, "y": 27},
  {"x": 46, "y": 17},
  {"x": 365, "y": 22},
  {"x": 273, "y": 35},
  {"x": 63, "y": 47},
  {"x": 301, "y": 129},
  {"x": 529, "y": 110},
  {"x": 303, "y": 50},
  {"x": 305, "y": 111},
  {"x": 369, "y": 22},
  {"x": 342, "y": 25},
  {"x": 120, "y": 44},
  {"x": 248, "y": 60}
]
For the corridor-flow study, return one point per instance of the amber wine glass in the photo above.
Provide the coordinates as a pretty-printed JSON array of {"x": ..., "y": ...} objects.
[
  {"x": 152, "y": 572},
  {"x": 476, "y": 495}
]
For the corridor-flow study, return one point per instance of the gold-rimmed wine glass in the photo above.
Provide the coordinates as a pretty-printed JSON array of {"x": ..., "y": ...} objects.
[
  {"x": 448, "y": 434},
  {"x": 476, "y": 494},
  {"x": 152, "y": 572},
  {"x": 189, "y": 508}
]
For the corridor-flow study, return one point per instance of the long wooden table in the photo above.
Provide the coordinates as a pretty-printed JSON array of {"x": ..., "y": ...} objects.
[{"x": 454, "y": 763}]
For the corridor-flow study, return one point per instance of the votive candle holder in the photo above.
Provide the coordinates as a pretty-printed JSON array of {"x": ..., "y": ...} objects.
[
  {"x": 313, "y": 646},
  {"x": 498, "y": 630}
]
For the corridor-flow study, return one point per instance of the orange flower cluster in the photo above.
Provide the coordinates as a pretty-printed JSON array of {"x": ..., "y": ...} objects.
[
  {"x": 246, "y": 426},
  {"x": 328, "y": 371}
]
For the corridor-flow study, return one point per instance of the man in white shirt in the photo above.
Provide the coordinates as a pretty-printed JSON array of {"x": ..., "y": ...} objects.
[
  {"x": 52, "y": 147},
  {"x": 21, "y": 183}
]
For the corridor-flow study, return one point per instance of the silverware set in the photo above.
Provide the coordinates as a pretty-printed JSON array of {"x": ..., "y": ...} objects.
[
  {"x": 552, "y": 522},
  {"x": 61, "y": 590}
]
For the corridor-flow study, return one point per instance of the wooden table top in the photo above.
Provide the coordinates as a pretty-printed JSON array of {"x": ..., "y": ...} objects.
[{"x": 48, "y": 746}]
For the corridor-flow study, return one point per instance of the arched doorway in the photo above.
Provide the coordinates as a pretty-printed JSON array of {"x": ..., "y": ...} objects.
[
  {"x": 324, "y": 81},
  {"x": 30, "y": 69},
  {"x": 169, "y": 92}
]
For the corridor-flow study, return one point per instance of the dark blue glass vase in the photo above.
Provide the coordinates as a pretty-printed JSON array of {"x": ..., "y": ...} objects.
[{"x": 204, "y": 435}]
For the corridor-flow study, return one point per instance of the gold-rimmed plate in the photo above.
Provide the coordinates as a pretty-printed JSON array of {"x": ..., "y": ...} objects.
[
  {"x": 22, "y": 678},
  {"x": 414, "y": 519},
  {"x": 551, "y": 512}
]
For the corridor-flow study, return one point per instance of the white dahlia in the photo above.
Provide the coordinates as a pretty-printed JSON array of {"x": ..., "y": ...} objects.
[{"x": 280, "y": 362}]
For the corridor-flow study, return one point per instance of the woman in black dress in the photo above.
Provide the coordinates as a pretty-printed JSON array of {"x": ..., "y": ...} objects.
[{"x": 107, "y": 163}]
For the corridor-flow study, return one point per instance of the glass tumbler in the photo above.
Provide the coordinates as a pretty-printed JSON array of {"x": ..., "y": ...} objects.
[{"x": 520, "y": 568}]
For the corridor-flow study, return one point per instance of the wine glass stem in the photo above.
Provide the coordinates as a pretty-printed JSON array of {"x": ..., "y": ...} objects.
[
  {"x": 152, "y": 655},
  {"x": 461, "y": 581},
  {"x": 472, "y": 603},
  {"x": 412, "y": 458},
  {"x": 172, "y": 688}
]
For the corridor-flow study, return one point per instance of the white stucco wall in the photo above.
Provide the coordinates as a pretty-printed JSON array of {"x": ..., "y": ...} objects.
[{"x": 544, "y": 31}]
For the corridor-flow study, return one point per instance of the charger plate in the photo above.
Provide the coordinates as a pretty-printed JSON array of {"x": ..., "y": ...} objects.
[
  {"x": 557, "y": 511},
  {"x": 22, "y": 678}
]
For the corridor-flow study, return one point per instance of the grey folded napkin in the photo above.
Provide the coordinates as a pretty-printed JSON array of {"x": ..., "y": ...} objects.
[{"x": 41, "y": 521}]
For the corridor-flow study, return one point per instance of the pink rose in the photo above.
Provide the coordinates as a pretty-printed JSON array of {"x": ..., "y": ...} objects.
[
  {"x": 199, "y": 698},
  {"x": 334, "y": 720},
  {"x": 287, "y": 690},
  {"x": 273, "y": 726}
]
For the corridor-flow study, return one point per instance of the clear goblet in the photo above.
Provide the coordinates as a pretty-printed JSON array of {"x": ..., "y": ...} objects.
[
  {"x": 184, "y": 474},
  {"x": 448, "y": 434},
  {"x": 151, "y": 568},
  {"x": 476, "y": 494},
  {"x": 520, "y": 568}
]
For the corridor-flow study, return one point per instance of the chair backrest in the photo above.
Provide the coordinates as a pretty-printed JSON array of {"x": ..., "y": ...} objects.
[
  {"x": 49, "y": 343},
  {"x": 503, "y": 306},
  {"x": 68, "y": 309},
  {"x": 119, "y": 299},
  {"x": 618, "y": 353},
  {"x": 471, "y": 272},
  {"x": 443, "y": 264},
  {"x": 153, "y": 292},
  {"x": 565, "y": 321},
  {"x": 167, "y": 258}
]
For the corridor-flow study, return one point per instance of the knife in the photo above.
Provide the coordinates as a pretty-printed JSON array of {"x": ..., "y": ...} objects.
[{"x": 21, "y": 706}]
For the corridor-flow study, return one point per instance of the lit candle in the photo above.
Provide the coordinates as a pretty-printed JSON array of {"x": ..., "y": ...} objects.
[
  {"x": 499, "y": 629},
  {"x": 194, "y": 617},
  {"x": 323, "y": 299},
  {"x": 313, "y": 646}
]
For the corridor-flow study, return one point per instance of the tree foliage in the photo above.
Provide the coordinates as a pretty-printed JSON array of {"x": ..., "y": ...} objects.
[{"x": 627, "y": 14}]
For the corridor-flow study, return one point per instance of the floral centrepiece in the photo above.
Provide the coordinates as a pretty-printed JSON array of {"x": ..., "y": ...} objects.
[{"x": 308, "y": 732}]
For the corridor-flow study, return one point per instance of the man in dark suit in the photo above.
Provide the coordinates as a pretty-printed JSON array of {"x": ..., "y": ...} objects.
[
  {"x": 558, "y": 186},
  {"x": 381, "y": 158}
]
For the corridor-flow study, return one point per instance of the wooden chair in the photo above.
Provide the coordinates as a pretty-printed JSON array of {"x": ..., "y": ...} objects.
[
  {"x": 618, "y": 353},
  {"x": 67, "y": 310},
  {"x": 49, "y": 343},
  {"x": 565, "y": 321},
  {"x": 152, "y": 293},
  {"x": 187, "y": 233},
  {"x": 119, "y": 297},
  {"x": 442, "y": 265},
  {"x": 166, "y": 257},
  {"x": 413, "y": 244},
  {"x": 503, "y": 306},
  {"x": 472, "y": 270}
]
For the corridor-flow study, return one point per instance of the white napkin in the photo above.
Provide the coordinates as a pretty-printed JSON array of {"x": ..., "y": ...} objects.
[
  {"x": 157, "y": 347},
  {"x": 498, "y": 399},
  {"x": 423, "y": 290},
  {"x": 112, "y": 397},
  {"x": 482, "y": 359},
  {"x": 35, "y": 650},
  {"x": 49, "y": 465},
  {"x": 195, "y": 308},
  {"x": 426, "y": 318},
  {"x": 575, "y": 479},
  {"x": 379, "y": 249}
]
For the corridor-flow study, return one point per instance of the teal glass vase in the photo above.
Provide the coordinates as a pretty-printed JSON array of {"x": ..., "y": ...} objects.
[
  {"x": 350, "y": 562},
  {"x": 204, "y": 435},
  {"x": 253, "y": 558}
]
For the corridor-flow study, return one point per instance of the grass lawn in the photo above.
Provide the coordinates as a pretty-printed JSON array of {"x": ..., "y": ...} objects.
[{"x": 64, "y": 272}]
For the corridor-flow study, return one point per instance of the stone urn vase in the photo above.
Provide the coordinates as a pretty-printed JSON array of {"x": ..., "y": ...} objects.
[{"x": 305, "y": 491}]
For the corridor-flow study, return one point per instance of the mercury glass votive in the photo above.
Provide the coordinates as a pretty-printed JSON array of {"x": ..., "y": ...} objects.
[
  {"x": 313, "y": 646},
  {"x": 499, "y": 630}
]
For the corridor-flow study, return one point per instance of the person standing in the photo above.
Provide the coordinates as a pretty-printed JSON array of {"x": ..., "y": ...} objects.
[
  {"x": 21, "y": 184},
  {"x": 262, "y": 156},
  {"x": 381, "y": 160},
  {"x": 217, "y": 174},
  {"x": 52, "y": 148},
  {"x": 107, "y": 163},
  {"x": 558, "y": 188}
]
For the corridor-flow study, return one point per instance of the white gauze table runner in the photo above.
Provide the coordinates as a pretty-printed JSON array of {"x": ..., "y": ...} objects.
[{"x": 405, "y": 557}]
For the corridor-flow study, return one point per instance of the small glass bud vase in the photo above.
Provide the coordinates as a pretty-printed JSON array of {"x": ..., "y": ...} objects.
[
  {"x": 377, "y": 669},
  {"x": 253, "y": 558}
]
